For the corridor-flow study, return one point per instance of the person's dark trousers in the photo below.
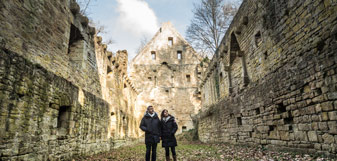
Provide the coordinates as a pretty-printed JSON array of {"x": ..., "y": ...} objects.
[
  {"x": 150, "y": 146},
  {"x": 167, "y": 151}
]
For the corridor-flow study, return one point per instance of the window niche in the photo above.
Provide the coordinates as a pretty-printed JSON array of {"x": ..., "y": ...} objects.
[
  {"x": 179, "y": 54},
  {"x": 188, "y": 78},
  {"x": 109, "y": 70},
  {"x": 239, "y": 121},
  {"x": 74, "y": 39},
  {"x": 184, "y": 128},
  {"x": 153, "y": 55},
  {"x": 258, "y": 39},
  {"x": 245, "y": 20},
  {"x": 170, "y": 41},
  {"x": 63, "y": 119}
]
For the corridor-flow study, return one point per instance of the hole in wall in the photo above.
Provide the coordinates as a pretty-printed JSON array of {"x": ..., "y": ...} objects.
[
  {"x": 170, "y": 41},
  {"x": 63, "y": 118},
  {"x": 320, "y": 45},
  {"x": 288, "y": 120},
  {"x": 153, "y": 55},
  {"x": 257, "y": 111},
  {"x": 75, "y": 36},
  {"x": 179, "y": 55},
  {"x": 265, "y": 55},
  {"x": 245, "y": 20},
  {"x": 281, "y": 108},
  {"x": 188, "y": 78},
  {"x": 258, "y": 39},
  {"x": 184, "y": 128},
  {"x": 318, "y": 91},
  {"x": 271, "y": 128},
  {"x": 108, "y": 70},
  {"x": 239, "y": 121}
]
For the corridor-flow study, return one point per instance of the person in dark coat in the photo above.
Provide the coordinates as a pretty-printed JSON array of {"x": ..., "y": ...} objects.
[
  {"x": 168, "y": 128},
  {"x": 150, "y": 124}
]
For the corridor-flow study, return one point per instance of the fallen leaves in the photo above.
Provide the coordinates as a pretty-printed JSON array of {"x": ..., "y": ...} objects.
[{"x": 195, "y": 151}]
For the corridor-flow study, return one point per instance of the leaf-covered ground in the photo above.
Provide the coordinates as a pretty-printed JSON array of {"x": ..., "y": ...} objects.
[{"x": 194, "y": 151}]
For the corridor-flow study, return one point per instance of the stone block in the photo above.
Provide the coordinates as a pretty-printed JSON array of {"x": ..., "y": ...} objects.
[
  {"x": 323, "y": 126},
  {"x": 318, "y": 146},
  {"x": 284, "y": 135},
  {"x": 327, "y": 106},
  {"x": 301, "y": 136},
  {"x": 304, "y": 127},
  {"x": 332, "y": 127},
  {"x": 324, "y": 116},
  {"x": 312, "y": 136},
  {"x": 333, "y": 115},
  {"x": 314, "y": 126},
  {"x": 327, "y": 138}
]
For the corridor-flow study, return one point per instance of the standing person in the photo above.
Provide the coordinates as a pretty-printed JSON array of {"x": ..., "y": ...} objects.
[
  {"x": 168, "y": 128},
  {"x": 150, "y": 124}
]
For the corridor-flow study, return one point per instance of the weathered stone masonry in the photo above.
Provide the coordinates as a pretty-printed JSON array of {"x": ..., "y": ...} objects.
[
  {"x": 273, "y": 79},
  {"x": 166, "y": 73},
  {"x": 44, "y": 116},
  {"x": 61, "y": 92}
]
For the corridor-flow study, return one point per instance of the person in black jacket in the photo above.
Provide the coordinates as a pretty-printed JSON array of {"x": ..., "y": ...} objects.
[
  {"x": 168, "y": 128},
  {"x": 150, "y": 124}
]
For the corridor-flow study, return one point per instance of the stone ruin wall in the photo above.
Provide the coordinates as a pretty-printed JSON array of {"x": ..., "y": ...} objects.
[
  {"x": 162, "y": 82},
  {"x": 273, "y": 80},
  {"x": 59, "y": 85}
]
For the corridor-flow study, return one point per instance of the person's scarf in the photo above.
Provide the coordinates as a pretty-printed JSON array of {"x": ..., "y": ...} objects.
[
  {"x": 166, "y": 118},
  {"x": 151, "y": 114}
]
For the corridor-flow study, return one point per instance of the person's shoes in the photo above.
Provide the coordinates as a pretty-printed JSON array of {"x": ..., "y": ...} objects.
[
  {"x": 174, "y": 158},
  {"x": 168, "y": 158}
]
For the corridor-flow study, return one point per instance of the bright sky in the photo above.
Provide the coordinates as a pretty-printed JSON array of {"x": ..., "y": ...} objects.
[{"x": 128, "y": 21}]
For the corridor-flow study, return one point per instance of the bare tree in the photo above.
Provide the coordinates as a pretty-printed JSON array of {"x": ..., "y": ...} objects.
[
  {"x": 144, "y": 40},
  {"x": 85, "y": 6},
  {"x": 101, "y": 31},
  {"x": 209, "y": 24}
]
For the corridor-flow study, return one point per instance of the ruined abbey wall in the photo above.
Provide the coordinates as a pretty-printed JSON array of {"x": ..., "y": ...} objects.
[
  {"x": 61, "y": 92},
  {"x": 44, "y": 116},
  {"x": 273, "y": 79},
  {"x": 166, "y": 74}
]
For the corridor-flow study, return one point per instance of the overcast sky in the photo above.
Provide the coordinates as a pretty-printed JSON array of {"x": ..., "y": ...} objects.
[{"x": 128, "y": 21}]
